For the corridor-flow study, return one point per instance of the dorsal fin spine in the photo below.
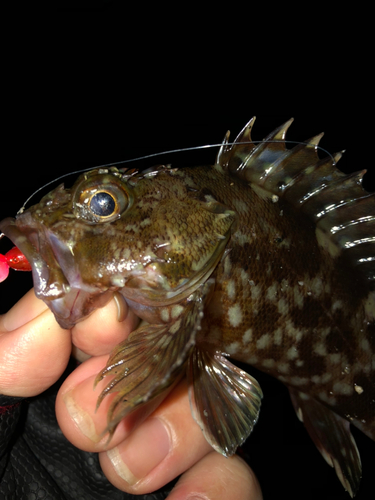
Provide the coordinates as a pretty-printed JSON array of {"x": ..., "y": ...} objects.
[{"x": 313, "y": 185}]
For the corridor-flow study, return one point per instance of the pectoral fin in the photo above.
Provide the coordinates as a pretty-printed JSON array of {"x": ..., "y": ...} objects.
[
  {"x": 149, "y": 361},
  {"x": 225, "y": 400},
  {"x": 331, "y": 435}
]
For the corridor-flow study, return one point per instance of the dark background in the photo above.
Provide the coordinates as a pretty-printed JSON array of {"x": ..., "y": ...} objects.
[{"x": 65, "y": 137}]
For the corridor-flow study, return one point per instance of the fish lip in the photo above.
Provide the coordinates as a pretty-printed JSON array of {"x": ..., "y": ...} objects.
[
  {"x": 12, "y": 231},
  {"x": 30, "y": 247},
  {"x": 68, "y": 303}
]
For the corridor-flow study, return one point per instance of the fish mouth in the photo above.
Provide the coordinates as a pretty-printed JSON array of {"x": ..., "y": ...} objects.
[{"x": 56, "y": 279}]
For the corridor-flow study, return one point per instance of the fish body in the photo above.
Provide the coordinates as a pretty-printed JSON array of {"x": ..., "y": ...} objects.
[{"x": 267, "y": 257}]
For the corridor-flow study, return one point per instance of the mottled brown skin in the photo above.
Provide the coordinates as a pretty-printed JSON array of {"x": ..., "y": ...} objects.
[{"x": 283, "y": 305}]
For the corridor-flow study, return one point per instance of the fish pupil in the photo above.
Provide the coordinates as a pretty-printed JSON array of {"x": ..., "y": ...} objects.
[{"x": 102, "y": 204}]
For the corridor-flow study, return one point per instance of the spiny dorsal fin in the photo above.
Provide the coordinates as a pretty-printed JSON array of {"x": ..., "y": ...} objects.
[{"x": 344, "y": 213}]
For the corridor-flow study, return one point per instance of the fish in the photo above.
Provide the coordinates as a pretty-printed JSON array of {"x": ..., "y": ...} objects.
[{"x": 266, "y": 257}]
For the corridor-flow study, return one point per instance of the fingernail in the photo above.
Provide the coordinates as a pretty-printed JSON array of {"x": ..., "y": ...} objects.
[
  {"x": 80, "y": 416},
  {"x": 144, "y": 449}
]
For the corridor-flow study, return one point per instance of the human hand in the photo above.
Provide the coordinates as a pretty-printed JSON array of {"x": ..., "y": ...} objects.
[{"x": 157, "y": 443}]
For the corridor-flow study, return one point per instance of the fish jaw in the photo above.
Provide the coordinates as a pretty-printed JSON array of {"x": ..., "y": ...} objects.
[{"x": 56, "y": 280}]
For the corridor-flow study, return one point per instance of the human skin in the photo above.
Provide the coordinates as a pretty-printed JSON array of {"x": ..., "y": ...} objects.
[{"x": 150, "y": 447}]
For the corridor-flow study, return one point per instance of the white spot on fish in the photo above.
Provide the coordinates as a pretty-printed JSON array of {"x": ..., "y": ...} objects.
[
  {"x": 326, "y": 377},
  {"x": 286, "y": 243},
  {"x": 271, "y": 293},
  {"x": 317, "y": 286},
  {"x": 320, "y": 349},
  {"x": 176, "y": 311},
  {"x": 252, "y": 360},
  {"x": 264, "y": 341},
  {"x": 240, "y": 206},
  {"x": 342, "y": 388},
  {"x": 298, "y": 297},
  {"x": 278, "y": 336},
  {"x": 145, "y": 222},
  {"x": 282, "y": 307},
  {"x": 231, "y": 289},
  {"x": 235, "y": 315},
  {"x": 132, "y": 227},
  {"x": 227, "y": 265},
  {"x": 358, "y": 389},
  {"x": 299, "y": 381},
  {"x": 283, "y": 367},
  {"x": 242, "y": 238},
  {"x": 126, "y": 253},
  {"x": 330, "y": 400},
  {"x": 321, "y": 379},
  {"x": 247, "y": 336},
  {"x": 292, "y": 353},
  {"x": 255, "y": 292},
  {"x": 284, "y": 284},
  {"x": 335, "y": 358},
  {"x": 292, "y": 331},
  {"x": 117, "y": 254},
  {"x": 244, "y": 277},
  {"x": 338, "y": 304},
  {"x": 164, "y": 315},
  {"x": 233, "y": 348},
  {"x": 268, "y": 363}
]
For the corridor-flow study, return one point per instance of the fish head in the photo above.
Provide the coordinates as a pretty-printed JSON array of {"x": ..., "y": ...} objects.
[{"x": 145, "y": 234}]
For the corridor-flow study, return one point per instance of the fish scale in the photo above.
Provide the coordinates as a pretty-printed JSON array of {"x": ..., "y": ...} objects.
[{"x": 267, "y": 257}]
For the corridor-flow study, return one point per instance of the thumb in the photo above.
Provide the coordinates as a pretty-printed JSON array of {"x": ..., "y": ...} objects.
[{"x": 34, "y": 349}]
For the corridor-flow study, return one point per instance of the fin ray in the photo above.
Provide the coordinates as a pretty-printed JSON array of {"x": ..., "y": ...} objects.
[
  {"x": 152, "y": 349},
  {"x": 225, "y": 400},
  {"x": 315, "y": 186},
  {"x": 331, "y": 435}
]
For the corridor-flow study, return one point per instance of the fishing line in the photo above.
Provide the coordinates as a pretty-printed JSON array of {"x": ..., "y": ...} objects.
[{"x": 171, "y": 151}]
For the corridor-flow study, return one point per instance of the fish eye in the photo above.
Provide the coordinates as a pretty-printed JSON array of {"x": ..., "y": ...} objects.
[
  {"x": 102, "y": 204},
  {"x": 100, "y": 198}
]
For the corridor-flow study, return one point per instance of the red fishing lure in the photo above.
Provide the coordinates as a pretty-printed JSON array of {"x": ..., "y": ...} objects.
[{"x": 15, "y": 259}]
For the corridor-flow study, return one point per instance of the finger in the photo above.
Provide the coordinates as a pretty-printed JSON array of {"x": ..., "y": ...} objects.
[
  {"x": 99, "y": 333},
  {"x": 26, "y": 309},
  {"x": 218, "y": 478},
  {"x": 34, "y": 350},
  {"x": 81, "y": 422},
  {"x": 165, "y": 445}
]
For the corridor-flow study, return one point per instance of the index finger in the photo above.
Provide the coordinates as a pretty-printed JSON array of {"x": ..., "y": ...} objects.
[
  {"x": 26, "y": 309},
  {"x": 34, "y": 350},
  {"x": 100, "y": 332}
]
